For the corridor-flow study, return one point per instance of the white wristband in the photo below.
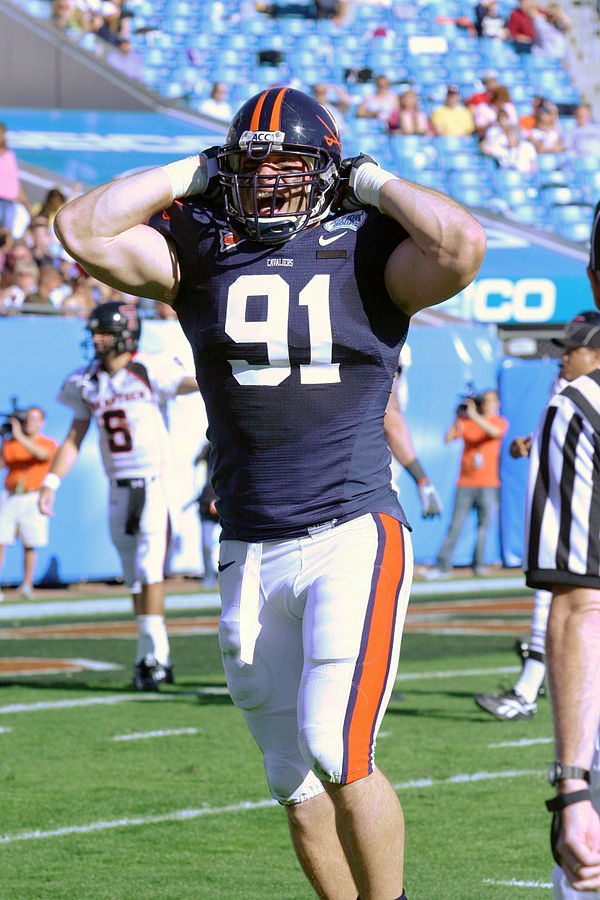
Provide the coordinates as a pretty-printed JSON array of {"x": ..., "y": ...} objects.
[
  {"x": 52, "y": 481},
  {"x": 187, "y": 176},
  {"x": 368, "y": 181}
]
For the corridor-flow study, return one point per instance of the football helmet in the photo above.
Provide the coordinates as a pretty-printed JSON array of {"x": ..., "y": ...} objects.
[
  {"x": 270, "y": 198},
  {"x": 118, "y": 318}
]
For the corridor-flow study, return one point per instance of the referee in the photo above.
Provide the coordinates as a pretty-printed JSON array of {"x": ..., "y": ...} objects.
[{"x": 562, "y": 546}]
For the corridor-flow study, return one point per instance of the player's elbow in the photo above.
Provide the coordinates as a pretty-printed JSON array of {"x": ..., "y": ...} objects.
[
  {"x": 66, "y": 228},
  {"x": 470, "y": 253}
]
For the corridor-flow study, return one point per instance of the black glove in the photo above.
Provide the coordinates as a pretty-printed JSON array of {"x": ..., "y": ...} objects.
[
  {"x": 213, "y": 190},
  {"x": 347, "y": 199}
]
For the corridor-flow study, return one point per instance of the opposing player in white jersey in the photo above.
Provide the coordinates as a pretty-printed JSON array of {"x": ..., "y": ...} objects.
[{"x": 123, "y": 390}]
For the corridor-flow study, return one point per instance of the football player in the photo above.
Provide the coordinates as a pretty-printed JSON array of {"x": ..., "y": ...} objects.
[
  {"x": 123, "y": 390},
  {"x": 294, "y": 274}
]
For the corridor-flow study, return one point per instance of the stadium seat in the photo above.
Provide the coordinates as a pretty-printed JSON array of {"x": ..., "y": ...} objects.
[
  {"x": 463, "y": 160},
  {"x": 406, "y": 145},
  {"x": 585, "y": 163},
  {"x": 463, "y": 178},
  {"x": 532, "y": 214},
  {"x": 578, "y": 232},
  {"x": 509, "y": 178},
  {"x": 547, "y": 162},
  {"x": 553, "y": 194},
  {"x": 473, "y": 196},
  {"x": 572, "y": 212}
]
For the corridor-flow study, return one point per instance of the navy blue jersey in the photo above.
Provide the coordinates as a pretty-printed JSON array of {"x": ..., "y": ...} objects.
[{"x": 295, "y": 347}]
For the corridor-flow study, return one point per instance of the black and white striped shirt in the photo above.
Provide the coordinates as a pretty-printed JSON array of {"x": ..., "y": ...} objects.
[{"x": 562, "y": 516}]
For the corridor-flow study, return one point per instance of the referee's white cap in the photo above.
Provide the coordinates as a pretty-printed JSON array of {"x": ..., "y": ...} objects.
[{"x": 582, "y": 331}]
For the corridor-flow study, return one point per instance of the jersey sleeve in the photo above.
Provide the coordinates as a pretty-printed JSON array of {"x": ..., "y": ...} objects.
[{"x": 70, "y": 395}]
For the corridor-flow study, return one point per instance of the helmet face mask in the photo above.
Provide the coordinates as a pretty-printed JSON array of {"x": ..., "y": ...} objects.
[
  {"x": 117, "y": 319},
  {"x": 279, "y": 168}
]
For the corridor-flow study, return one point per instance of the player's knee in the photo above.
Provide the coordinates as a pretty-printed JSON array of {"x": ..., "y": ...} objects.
[
  {"x": 321, "y": 751},
  {"x": 289, "y": 782},
  {"x": 249, "y": 685}
]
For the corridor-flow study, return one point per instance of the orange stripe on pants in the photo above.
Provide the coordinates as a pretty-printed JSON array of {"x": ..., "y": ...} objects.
[{"x": 372, "y": 667}]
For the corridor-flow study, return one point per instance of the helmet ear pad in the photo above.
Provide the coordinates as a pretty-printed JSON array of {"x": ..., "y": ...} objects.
[{"x": 290, "y": 123}]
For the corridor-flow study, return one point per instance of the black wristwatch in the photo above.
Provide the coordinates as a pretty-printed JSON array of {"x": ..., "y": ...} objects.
[{"x": 559, "y": 772}]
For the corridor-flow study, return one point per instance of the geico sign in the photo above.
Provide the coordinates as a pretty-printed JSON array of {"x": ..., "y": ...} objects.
[{"x": 501, "y": 300}]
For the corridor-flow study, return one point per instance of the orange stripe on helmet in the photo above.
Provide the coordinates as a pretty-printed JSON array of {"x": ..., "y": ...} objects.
[
  {"x": 274, "y": 124},
  {"x": 331, "y": 138},
  {"x": 373, "y": 669},
  {"x": 255, "y": 122}
]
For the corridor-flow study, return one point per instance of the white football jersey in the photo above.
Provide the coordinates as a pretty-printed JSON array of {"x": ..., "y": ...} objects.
[{"x": 127, "y": 409}]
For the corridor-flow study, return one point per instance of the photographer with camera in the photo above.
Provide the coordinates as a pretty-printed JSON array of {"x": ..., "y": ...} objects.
[
  {"x": 481, "y": 428},
  {"x": 26, "y": 454}
]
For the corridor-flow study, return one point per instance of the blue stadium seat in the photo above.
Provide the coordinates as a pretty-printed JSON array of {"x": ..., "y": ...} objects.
[
  {"x": 585, "y": 164},
  {"x": 509, "y": 178},
  {"x": 570, "y": 213},
  {"x": 547, "y": 162},
  {"x": 463, "y": 178},
  {"x": 515, "y": 196},
  {"x": 463, "y": 161},
  {"x": 482, "y": 196},
  {"x": 578, "y": 232},
  {"x": 450, "y": 144},
  {"x": 407, "y": 145},
  {"x": 526, "y": 213},
  {"x": 553, "y": 194}
]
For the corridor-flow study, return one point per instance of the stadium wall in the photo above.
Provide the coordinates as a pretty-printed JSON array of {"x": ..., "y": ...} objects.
[{"x": 39, "y": 351}]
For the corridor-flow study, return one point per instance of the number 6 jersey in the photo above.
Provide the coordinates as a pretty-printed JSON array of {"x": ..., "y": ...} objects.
[
  {"x": 295, "y": 347},
  {"x": 126, "y": 407}
]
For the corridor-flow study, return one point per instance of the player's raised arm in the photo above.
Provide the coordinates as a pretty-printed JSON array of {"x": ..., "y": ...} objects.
[
  {"x": 104, "y": 231},
  {"x": 446, "y": 246}
]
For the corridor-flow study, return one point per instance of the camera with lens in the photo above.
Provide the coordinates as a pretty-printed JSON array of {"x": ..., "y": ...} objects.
[
  {"x": 461, "y": 409},
  {"x": 16, "y": 413}
]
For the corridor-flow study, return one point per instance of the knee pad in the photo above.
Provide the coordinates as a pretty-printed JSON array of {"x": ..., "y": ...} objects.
[
  {"x": 249, "y": 685},
  {"x": 322, "y": 752},
  {"x": 288, "y": 781}
]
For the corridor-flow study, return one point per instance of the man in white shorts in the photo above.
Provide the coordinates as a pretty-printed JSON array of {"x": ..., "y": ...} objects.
[
  {"x": 26, "y": 454},
  {"x": 123, "y": 390}
]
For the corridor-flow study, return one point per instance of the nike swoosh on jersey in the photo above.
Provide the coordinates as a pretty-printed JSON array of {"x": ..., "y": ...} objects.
[
  {"x": 323, "y": 241},
  {"x": 222, "y": 566}
]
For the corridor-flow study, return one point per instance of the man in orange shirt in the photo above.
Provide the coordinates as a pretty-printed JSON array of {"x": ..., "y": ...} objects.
[
  {"x": 27, "y": 456},
  {"x": 478, "y": 483}
]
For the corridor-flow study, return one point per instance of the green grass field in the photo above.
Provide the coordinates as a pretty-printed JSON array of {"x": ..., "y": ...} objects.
[{"x": 109, "y": 795}]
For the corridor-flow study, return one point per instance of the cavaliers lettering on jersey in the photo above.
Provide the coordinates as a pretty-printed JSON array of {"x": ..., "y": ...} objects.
[
  {"x": 295, "y": 348},
  {"x": 126, "y": 407}
]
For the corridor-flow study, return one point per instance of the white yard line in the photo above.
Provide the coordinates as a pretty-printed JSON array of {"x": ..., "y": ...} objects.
[
  {"x": 514, "y": 882},
  {"x": 524, "y": 742},
  {"x": 186, "y": 814},
  {"x": 143, "y": 735},
  {"x": 457, "y": 673},
  {"x": 218, "y": 689},
  {"x": 88, "y": 701}
]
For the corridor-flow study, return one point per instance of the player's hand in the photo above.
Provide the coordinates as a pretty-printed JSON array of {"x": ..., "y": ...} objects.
[
  {"x": 347, "y": 199},
  {"x": 17, "y": 427},
  {"x": 209, "y": 162},
  {"x": 46, "y": 501},
  {"x": 520, "y": 447},
  {"x": 431, "y": 502},
  {"x": 578, "y": 846}
]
